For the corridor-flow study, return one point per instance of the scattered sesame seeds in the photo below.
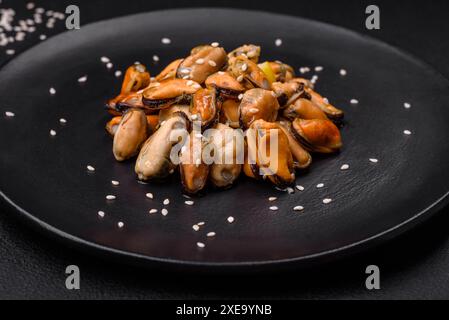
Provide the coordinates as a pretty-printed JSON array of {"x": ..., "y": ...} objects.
[
  {"x": 300, "y": 188},
  {"x": 164, "y": 212},
  {"x": 319, "y": 68},
  {"x": 211, "y": 234},
  {"x": 344, "y": 167},
  {"x": 120, "y": 224},
  {"x": 407, "y": 132},
  {"x": 274, "y": 208},
  {"x": 189, "y": 202},
  {"x": 101, "y": 214},
  {"x": 118, "y": 73},
  {"x": 166, "y": 40},
  {"x": 278, "y": 42},
  {"x": 196, "y": 227},
  {"x": 272, "y": 199},
  {"x": 82, "y": 79},
  {"x": 149, "y": 195},
  {"x": 354, "y": 101},
  {"x": 90, "y": 168},
  {"x": 166, "y": 202},
  {"x": 215, "y": 44},
  {"x": 9, "y": 114},
  {"x": 105, "y": 59},
  {"x": 231, "y": 219},
  {"x": 110, "y": 197},
  {"x": 298, "y": 208},
  {"x": 320, "y": 185},
  {"x": 155, "y": 58},
  {"x": 373, "y": 160},
  {"x": 407, "y": 105},
  {"x": 343, "y": 72},
  {"x": 327, "y": 200},
  {"x": 63, "y": 121},
  {"x": 52, "y": 132},
  {"x": 212, "y": 63},
  {"x": 200, "y": 245},
  {"x": 109, "y": 65},
  {"x": 115, "y": 183},
  {"x": 152, "y": 211},
  {"x": 52, "y": 91}
]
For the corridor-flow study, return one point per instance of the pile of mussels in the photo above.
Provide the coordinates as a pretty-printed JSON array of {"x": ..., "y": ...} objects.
[{"x": 224, "y": 92}]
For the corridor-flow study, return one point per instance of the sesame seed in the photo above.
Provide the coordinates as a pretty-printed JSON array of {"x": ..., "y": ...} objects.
[
  {"x": 278, "y": 42},
  {"x": 303, "y": 70},
  {"x": 344, "y": 167},
  {"x": 319, "y": 68},
  {"x": 194, "y": 117},
  {"x": 105, "y": 59},
  {"x": 9, "y": 114},
  {"x": 320, "y": 185},
  {"x": 244, "y": 67},
  {"x": 327, "y": 200},
  {"x": 166, "y": 201},
  {"x": 253, "y": 110},
  {"x": 10, "y": 52},
  {"x": 152, "y": 211},
  {"x": 240, "y": 78},
  {"x": 300, "y": 188},
  {"x": 118, "y": 73},
  {"x": 290, "y": 190},
  {"x": 272, "y": 199},
  {"x": 230, "y": 219},
  {"x": 90, "y": 168},
  {"x": 373, "y": 160},
  {"x": 42, "y": 37},
  {"x": 52, "y": 133},
  {"x": 211, "y": 234},
  {"x": 199, "y": 61},
  {"x": 407, "y": 105},
  {"x": 202, "y": 223},
  {"x": 274, "y": 208},
  {"x": 30, "y": 5},
  {"x": 186, "y": 196},
  {"x": 120, "y": 224},
  {"x": 115, "y": 182},
  {"x": 196, "y": 86},
  {"x": 109, "y": 65},
  {"x": 184, "y": 71},
  {"x": 354, "y": 101},
  {"x": 298, "y": 208},
  {"x": 407, "y": 132},
  {"x": 212, "y": 63},
  {"x": 149, "y": 195},
  {"x": 190, "y": 82},
  {"x": 155, "y": 58},
  {"x": 189, "y": 202},
  {"x": 52, "y": 91},
  {"x": 195, "y": 227},
  {"x": 110, "y": 197},
  {"x": 101, "y": 214},
  {"x": 164, "y": 212},
  {"x": 215, "y": 44},
  {"x": 343, "y": 72},
  {"x": 63, "y": 121},
  {"x": 82, "y": 79},
  {"x": 240, "y": 96},
  {"x": 200, "y": 245},
  {"x": 165, "y": 40}
]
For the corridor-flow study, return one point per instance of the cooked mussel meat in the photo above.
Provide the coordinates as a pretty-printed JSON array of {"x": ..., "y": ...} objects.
[
  {"x": 258, "y": 104},
  {"x": 317, "y": 135},
  {"x": 168, "y": 93}
]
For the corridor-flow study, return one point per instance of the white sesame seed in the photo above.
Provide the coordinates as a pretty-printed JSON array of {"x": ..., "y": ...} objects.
[
  {"x": 244, "y": 67},
  {"x": 184, "y": 71},
  {"x": 187, "y": 196},
  {"x": 298, "y": 208},
  {"x": 319, "y": 68},
  {"x": 82, "y": 79},
  {"x": 189, "y": 202},
  {"x": 42, "y": 37},
  {"x": 101, "y": 214},
  {"x": 165, "y": 40},
  {"x": 278, "y": 42},
  {"x": 109, "y": 65},
  {"x": 105, "y": 59},
  {"x": 290, "y": 190},
  {"x": 52, "y": 132},
  {"x": 215, "y": 44},
  {"x": 200, "y": 245},
  {"x": 320, "y": 185},
  {"x": 240, "y": 96},
  {"x": 199, "y": 61},
  {"x": 343, "y": 72},
  {"x": 407, "y": 105},
  {"x": 118, "y": 73},
  {"x": 230, "y": 219},
  {"x": 407, "y": 132},
  {"x": 202, "y": 223},
  {"x": 194, "y": 117},
  {"x": 303, "y": 70},
  {"x": 240, "y": 78},
  {"x": 354, "y": 101},
  {"x": 52, "y": 91},
  {"x": 195, "y": 227},
  {"x": 152, "y": 211},
  {"x": 344, "y": 167},
  {"x": 10, "y": 52},
  {"x": 272, "y": 199},
  {"x": 155, "y": 58},
  {"x": 115, "y": 182},
  {"x": 190, "y": 82},
  {"x": 166, "y": 202},
  {"x": 9, "y": 114},
  {"x": 300, "y": 188},
  {"x": 373, "y": 160},
  {"x": 120, "y": 224},
  {"x": 149, "y": 195},
  {"x": 110, "y": 197},
  {"x": 253, "y": 110},
  {"x": 164, "y": 212},
  {"x": 90, "y": 168},
  {"x": 211, "y": 234},
  {"x": 63, "y": 121},
  {"x": 327, "y": 200},
  {"x": 326, "y": 100},
  {"x": 212, "y": 63},
  {"x": 196, "y": 86},
  {"x": 30, "y": 5},
  {"x": 274, "y": 208}
]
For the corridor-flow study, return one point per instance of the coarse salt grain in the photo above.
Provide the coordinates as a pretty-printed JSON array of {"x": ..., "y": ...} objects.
[
  {"x": 115, "y": 182},
  {"x": 110, "y": 197},
  {"x": 327, "y": 200},
  {"x": 118, "y": 73},
  {"x": 274, "y": 208},
  {"x": 166, "y": 202},
  {"x": 373, "y": 160},
  {"x": 90, "y": 168},
  {"x": 82, "y": 79},
  {"x": 9, "y": 114},
  {"x": 300, "y": 188},
  {"x": 278, "y": 42},
  {"x": 164, "y": 212},
  {"x": 52, "y": 91},
  {"x": 344, "y": 167},
  {"x": 272, "y": 199},
  {"x": 152, "y": 211},
  {"x": 298, "y": 208},
  {"x": 407, "y": 132},
  {"x": 200, "y": 245},
  {"x": 101, "y": 214},
  {"x": 189, "y": 203},
  {"x": 120, "y": 224},
  {"x": 52, "y": 133},
  {"x": 230, "y": 219},
  {"x": 211, "y": 234},
  {"x": 165, "y": 40}
]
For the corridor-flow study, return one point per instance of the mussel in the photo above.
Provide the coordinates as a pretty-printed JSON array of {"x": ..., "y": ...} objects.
[
  {"x": 225, "y": 84},
  {"x": 155, "y": 160},
  {"x": 258, "y": 104},
  {"x": 247, "y": 72},
  {"x": 250, "y": 51},
  {"x": 282, "y": 72},
  {"x": 131, "y": 133},
  {"x": 169, "y": 71},
  {"x": 229, "y": 113},
  {"x": 304, "y": 109},
  {"x": 165, "y": 114},
  {"x": 169, "y": 92},
  {"x": 112, "y": 125},
  {"x": 301, "y": 158},
  {"x": 317, "y": 135},
  {"x": 204, "y": 107},
  {"x": 287, "y": 92},
  {"x": 332, "y": 112}
]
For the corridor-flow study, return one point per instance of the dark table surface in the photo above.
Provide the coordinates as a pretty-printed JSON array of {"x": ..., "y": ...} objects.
[{"x": 413, "y": 266}]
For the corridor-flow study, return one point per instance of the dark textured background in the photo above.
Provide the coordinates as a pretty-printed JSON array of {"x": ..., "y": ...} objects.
[{"x": 413, "y": 266}]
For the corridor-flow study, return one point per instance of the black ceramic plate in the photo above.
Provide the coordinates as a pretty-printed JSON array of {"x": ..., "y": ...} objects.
[{"x": 45, "y": 177}]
